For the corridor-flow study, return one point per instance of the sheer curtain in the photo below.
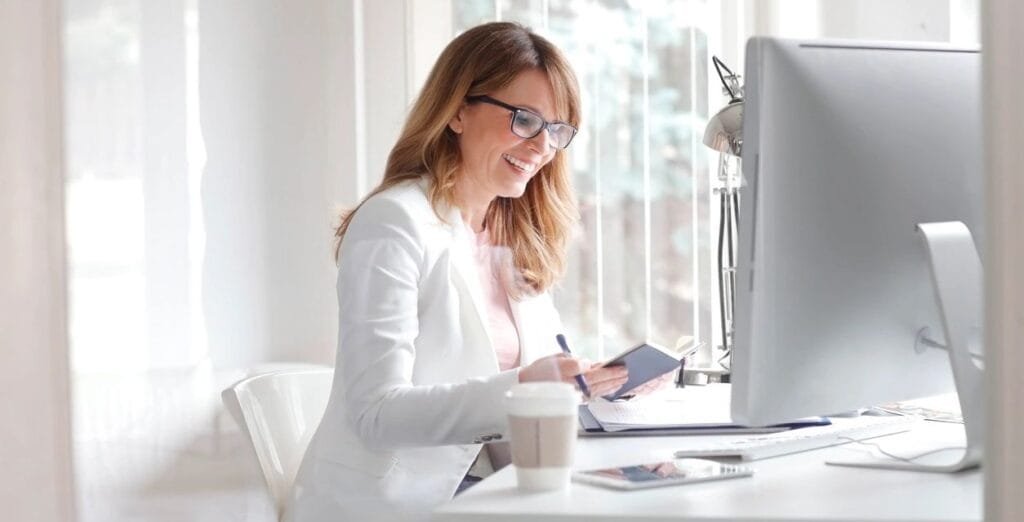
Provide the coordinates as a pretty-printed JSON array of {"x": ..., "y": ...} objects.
[
  {"x": 201, "y": 181},
  {"x": 35, "y": 441}
]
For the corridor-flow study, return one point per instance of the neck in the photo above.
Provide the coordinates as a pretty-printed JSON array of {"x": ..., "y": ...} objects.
[{"x": 473, "y": 205}]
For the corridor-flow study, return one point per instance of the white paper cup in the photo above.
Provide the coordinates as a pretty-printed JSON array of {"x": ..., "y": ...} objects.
[{"x": 542, "y": 419}]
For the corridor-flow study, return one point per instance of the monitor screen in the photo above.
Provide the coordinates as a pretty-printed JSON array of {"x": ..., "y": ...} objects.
[{"x": 847, "y": 146}]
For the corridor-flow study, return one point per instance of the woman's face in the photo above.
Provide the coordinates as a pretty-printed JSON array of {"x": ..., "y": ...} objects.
[{"x": 496, "y": 162}]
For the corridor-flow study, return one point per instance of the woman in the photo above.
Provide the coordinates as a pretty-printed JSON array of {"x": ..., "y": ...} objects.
[{"x": 444, "y": 272}]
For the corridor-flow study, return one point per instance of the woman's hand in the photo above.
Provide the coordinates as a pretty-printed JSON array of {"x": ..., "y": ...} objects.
[
  {"x": 558, "y": 368},
  {"x": 655, "y": 384},
  {"x": 565, "y": 368},
  {"x": 604, "y": 380}
]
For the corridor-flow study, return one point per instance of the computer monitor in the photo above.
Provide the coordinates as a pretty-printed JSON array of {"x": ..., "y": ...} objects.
[{"x": 847, "y": 146}]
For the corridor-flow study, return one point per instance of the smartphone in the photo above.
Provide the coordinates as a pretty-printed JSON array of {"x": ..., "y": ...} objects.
[{"x": 668, "y": 473}]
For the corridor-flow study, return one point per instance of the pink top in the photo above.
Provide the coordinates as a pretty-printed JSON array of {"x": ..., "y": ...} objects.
[{"x": 500, "y": 323}]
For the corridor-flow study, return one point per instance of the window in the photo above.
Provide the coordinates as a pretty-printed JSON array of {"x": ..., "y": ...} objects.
[{"x": 639, "y": 269}]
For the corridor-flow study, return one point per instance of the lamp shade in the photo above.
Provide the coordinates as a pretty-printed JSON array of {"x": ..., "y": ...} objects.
[{"x": 724, "y": 132}]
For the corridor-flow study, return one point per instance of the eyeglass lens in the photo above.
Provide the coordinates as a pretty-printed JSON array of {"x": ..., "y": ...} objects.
[{"x": 527, "y": 125}]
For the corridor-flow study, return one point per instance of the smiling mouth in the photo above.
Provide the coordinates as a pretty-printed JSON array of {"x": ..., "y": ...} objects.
[{"x": 522, "y": 166}]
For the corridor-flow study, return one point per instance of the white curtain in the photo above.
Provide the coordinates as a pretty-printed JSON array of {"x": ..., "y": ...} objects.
[
  {"x": 35, "y": 441},
  {"x": 203, "y": 181}
]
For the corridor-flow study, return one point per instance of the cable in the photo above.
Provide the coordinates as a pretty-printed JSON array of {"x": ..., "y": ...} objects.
[
  {"x": 931, "y": 343},
  {"x": 909, "y": 460}
]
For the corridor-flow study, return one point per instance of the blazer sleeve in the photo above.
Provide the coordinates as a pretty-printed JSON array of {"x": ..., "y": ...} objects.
[{"x": 380, "y": 266}]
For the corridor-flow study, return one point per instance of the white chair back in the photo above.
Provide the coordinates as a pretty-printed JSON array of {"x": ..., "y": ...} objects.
[{"x": 280, "y": 411}]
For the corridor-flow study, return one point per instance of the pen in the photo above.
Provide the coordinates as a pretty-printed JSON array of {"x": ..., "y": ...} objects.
[{"x": 579, "y": 377}]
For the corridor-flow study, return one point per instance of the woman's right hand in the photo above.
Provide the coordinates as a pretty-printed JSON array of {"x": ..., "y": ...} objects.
[{"x": 564, "y": 368}]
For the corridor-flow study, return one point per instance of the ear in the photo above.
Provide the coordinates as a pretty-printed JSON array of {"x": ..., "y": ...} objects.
[{"x": 456, "y": 124}]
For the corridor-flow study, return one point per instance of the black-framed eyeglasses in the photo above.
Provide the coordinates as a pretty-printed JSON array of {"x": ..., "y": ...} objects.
[{"x": 528, "y": 124}]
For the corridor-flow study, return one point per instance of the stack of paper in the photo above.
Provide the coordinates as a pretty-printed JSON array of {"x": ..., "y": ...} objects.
[
  {"x": 694, "y": 410},
  {"x": 690, "y": 407}
]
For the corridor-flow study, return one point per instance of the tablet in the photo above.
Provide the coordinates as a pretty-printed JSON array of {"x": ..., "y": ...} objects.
[
  {"x": 645, "y": 361},
  {"x": 668, "y": 473}
]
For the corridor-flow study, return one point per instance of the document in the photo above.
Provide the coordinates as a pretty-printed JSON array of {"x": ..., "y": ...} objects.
[
  {"x": 694, "y": 409},
  {"x": 681, "y": 407}
]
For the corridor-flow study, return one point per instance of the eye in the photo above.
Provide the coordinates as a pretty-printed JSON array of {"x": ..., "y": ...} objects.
[
  {"x": 562, "y": 133},
  {"x": 527, "y": 121}
]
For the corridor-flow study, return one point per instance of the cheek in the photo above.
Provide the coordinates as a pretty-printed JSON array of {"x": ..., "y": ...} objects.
[
  {"x": 489, "y": 143},
  {"x": 548, "y": 159}
]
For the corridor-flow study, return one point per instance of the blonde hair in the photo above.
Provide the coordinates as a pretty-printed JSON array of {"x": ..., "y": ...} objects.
[{"x": 536, "y": 226}]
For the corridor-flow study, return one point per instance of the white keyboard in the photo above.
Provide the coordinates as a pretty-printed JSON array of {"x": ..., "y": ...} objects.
[{"x": 803, "y": 439}]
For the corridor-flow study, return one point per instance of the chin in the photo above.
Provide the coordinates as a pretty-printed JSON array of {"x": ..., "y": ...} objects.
[{"x": 514, "y": 191}]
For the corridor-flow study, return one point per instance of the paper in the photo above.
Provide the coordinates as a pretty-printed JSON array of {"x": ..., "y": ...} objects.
[{"x": 685, "y": 407}]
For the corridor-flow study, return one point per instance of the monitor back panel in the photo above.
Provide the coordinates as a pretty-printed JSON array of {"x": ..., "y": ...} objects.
[{"x": 847, "y": 146}]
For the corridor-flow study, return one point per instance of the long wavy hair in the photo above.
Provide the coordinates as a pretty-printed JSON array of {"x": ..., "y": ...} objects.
[{"x": 535, "y": 227}]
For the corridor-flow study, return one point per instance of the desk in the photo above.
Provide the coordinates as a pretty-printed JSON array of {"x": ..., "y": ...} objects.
[{"x": 797, "y": 487}]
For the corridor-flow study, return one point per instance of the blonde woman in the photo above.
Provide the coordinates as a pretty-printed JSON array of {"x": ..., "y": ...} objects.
[{"x": 443, "y": 279}]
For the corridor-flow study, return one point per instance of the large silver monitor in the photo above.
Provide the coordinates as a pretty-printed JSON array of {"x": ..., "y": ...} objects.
[{"x": 847, "y": 146}]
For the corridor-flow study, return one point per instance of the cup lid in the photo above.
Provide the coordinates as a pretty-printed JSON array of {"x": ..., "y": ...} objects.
[{"x": 542, "y": 398}]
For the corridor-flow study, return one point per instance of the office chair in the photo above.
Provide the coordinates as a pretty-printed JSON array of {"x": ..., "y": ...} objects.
[{"x": 280, "y": 411}]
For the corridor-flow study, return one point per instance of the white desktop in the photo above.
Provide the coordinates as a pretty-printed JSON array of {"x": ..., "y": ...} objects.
[
  {"x": 791, "y": 488},
  {"x": 847, "y": 148}
]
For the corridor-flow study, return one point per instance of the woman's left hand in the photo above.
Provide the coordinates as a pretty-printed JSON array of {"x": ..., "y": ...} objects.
[
  {"x": 655, "y": 384},
  {"x": 604, "y": 380}
]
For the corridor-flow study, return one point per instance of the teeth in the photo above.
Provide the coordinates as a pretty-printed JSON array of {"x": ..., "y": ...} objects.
[{"x": 528, "y": 167}]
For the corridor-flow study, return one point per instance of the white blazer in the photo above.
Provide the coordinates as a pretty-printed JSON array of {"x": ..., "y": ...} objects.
[{"x": 417, "y": 387}]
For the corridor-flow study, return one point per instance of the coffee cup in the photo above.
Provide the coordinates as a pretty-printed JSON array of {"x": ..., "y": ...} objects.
[{"x": 542, "y": 418}]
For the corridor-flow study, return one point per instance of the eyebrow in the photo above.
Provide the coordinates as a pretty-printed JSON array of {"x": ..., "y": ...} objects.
[{"x": 531, "y": 108}]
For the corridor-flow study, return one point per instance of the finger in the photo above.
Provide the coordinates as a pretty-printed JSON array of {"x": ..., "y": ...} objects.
[
  {"x": 606, "y": 373},
  {"x": 645, "y": 388},
  {"x": 569, "y": 366},
  {"x": 651, "y": 387},
  {"x": 607, "y": 387},
  {"x": 551, "y": 368},
  {"x": 656, "y": 384}
]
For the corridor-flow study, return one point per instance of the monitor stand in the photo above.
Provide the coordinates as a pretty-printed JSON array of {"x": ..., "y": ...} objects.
[{"x": 957, "y": 277}]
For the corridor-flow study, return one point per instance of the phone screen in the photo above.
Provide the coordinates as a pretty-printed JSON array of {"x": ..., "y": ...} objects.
[{"x": 663, "y": 473}]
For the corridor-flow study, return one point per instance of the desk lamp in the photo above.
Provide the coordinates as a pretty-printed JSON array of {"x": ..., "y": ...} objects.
[{"x": 724, "y": 133}]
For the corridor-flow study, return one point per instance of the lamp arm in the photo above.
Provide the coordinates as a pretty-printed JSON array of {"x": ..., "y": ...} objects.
[{"x": 719, "y": 65}]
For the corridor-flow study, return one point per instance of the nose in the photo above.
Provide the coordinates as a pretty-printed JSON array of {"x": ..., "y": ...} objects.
[{"x": 543, "y": 141}]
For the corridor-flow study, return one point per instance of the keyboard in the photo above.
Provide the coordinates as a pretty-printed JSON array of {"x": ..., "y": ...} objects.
[{"x": 803, "y": 439}]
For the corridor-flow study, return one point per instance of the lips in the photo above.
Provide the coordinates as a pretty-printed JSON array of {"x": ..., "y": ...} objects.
[{"x": 524, "y": 166}]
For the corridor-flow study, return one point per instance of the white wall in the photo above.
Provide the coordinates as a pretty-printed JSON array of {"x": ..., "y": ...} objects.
[
  {"x": 268, "y": 74},
  {"x": 926, "y": 20},
  {"x": 954, "y": 21},
  {"x": 35, "y": 447},
  {"x": 1003, "y": 72},
  {"x": 915, "y": 20}
]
